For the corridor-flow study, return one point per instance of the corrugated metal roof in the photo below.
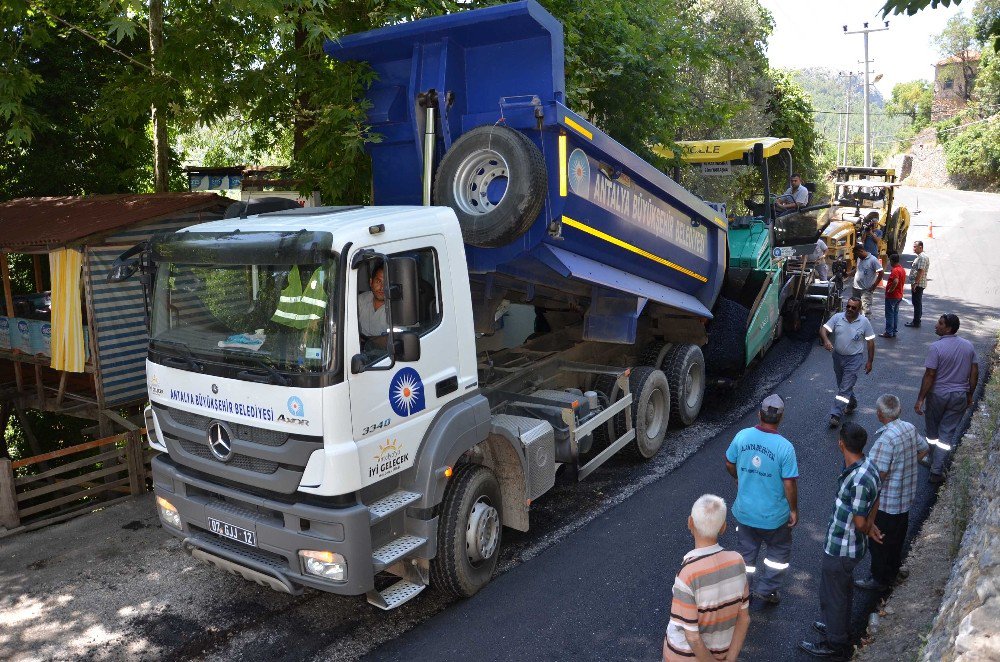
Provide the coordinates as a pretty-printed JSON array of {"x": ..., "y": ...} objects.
[{"x": 33, "y": 223}]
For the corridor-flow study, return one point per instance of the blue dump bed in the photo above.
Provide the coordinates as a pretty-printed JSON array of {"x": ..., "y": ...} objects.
[{"x": 613, "y": 229}]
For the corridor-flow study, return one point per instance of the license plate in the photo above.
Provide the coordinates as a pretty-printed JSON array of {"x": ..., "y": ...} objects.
[{"x": 236, "y": 533}]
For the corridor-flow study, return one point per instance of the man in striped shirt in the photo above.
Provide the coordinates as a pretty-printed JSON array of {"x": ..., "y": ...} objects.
[{"x": 708, "y": 615}]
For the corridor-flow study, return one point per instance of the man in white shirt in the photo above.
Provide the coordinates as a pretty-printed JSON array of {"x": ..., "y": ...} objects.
[
  {"x": 794, "y": 197},
  {"x": 867, "y": 276}
]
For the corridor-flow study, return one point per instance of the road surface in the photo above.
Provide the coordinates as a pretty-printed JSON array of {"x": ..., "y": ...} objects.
[{"x": 591, "y": 580}]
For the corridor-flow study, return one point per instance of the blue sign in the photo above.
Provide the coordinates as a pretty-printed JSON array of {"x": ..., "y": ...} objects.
[
  {"x": 295, "y": 406},
  {"x": 406, "y": 392}
]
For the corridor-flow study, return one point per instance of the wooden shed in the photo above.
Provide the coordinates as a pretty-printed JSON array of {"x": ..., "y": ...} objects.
[{"x": 110, "y": 386}]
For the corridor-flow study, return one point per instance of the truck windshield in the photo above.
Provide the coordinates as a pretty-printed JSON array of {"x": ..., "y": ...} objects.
[{"x": 276, "y": 317}]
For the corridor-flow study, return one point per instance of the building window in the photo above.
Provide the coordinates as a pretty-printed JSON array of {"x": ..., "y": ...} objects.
[{"x": 949, "y": 83}]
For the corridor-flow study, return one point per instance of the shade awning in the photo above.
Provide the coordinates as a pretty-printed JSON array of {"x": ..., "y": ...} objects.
[{"x": 722, "y": 151}]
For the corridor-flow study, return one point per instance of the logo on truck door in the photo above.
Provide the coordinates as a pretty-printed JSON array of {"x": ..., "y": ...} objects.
[{"x": 406, "y": 392}]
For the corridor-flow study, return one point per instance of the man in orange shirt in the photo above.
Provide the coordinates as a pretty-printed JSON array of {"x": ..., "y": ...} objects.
[
  {"x": 893, "y": 296},
  {"x": 709, "y": 614}
]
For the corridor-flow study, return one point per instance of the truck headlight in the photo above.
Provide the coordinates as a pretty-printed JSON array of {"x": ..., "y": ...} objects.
[
  {"x": 168, "y": 513},
  {"x": 328, "y": 565}
]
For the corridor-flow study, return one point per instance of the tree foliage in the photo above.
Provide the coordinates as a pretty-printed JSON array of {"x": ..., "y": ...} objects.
[
  {"x": 913, "y": 99},
  {"x": 53, "y": 143}
]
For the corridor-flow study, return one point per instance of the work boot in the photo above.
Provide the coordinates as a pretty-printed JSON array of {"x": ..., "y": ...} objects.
[
  {"x": 825, "y": 649},
  {"x": 771, "y": 598},
  {"x": 851, "y": 406},
  {"x": 835, "y": 422},
  {"x": 820, "y": 627},
  {"x": 912, "y": 325},
  {"x": 870, "y": 584}
]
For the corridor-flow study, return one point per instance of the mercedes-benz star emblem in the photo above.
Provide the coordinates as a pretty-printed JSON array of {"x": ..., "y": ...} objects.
[{"x": 220, "y": 442}]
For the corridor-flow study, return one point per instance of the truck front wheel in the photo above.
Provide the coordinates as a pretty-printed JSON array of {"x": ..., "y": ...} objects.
[{"x": 469, "y": 532}]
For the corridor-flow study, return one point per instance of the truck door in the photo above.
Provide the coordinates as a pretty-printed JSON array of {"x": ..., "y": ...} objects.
[{"x": 391, "y": 409}]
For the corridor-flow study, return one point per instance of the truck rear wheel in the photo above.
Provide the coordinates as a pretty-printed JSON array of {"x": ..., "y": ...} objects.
[
  {"x": 650, "y": 410},
  {"x": 469, "y": 532},
  {"x": 684, "y": 367},
  {"x": 495, "y": 180}
]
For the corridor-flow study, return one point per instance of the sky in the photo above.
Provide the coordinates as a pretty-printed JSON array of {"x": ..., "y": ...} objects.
[{"x": 810, "y": 33}]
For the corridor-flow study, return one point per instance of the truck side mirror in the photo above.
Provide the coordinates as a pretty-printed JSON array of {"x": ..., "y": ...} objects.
[
  {"x": 122, "y": 271},
  {"x": 407, "y": 347},
  {"x": 403, "y": 293}
]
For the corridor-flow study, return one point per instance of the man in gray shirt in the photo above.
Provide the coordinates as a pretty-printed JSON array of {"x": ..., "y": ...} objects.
[
  {"x": 852, "y": 333},
  {"x": 867, "y": 276},
  {"x": 372, "y": 316},
  {"x": 795, "y": 197},
  {"x": 950, "y": 377}
]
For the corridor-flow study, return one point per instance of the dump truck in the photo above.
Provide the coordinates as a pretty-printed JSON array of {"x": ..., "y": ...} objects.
[
  {"x": 326, "y": 414},
  {"x": 863, "y": 200}
]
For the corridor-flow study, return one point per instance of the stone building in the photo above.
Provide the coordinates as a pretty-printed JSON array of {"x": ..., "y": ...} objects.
[{"x": 954, "y": 78}]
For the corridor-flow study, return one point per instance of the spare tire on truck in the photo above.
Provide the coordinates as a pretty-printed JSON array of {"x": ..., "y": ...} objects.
[
  {"x": 495, "y": 180},
  {"x": 725, "y": 352}
]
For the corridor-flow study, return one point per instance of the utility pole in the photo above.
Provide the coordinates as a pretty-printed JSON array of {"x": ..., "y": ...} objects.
[
  {"x": 867, "y": 61},
  {"x": 847, "y": 114}
]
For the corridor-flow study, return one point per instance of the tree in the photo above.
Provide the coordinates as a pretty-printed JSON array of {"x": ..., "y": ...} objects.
[
  {"x": 914, "y": 100},
  {"x": 51, "y": 84},
  {"x": 791, "y": 115},
  {"x": 986, "y": 14}
]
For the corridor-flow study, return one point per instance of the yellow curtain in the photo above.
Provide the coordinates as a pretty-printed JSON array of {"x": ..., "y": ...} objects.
[{"x": 67, "y": 321}]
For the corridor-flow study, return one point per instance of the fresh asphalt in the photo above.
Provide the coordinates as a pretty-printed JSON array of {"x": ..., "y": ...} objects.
[{"x": 603, "y": 591}]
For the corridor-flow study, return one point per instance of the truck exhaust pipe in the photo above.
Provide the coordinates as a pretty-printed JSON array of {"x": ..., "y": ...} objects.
[{"x": 429, "y": 102}]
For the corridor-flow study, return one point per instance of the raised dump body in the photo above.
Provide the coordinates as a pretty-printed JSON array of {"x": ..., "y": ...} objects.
[{"x": 568, "y": 215}]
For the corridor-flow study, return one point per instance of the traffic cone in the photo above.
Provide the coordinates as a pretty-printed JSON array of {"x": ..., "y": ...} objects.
[{"x": 930, "y": 230}]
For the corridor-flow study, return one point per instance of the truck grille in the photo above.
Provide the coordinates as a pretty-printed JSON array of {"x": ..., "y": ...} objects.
[
  {"x": 265, "y": 459},
  {"x": 244, "y": 432},
  {"x": 254, "y": 464}
]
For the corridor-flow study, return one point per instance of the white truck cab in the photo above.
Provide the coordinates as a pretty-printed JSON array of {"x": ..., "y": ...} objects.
[{"x": 301, "y": 449}]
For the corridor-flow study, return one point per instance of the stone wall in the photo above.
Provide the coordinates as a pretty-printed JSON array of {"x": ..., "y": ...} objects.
[
  {"x": 967, "y": 626},
  {"x": 927, "y": 162}
]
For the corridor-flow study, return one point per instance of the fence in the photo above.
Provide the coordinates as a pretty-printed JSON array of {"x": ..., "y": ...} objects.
[{"x": 117, "y": 471}]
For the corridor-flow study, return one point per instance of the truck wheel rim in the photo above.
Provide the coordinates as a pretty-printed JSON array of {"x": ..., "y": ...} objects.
[
  {"x": 483, "y": 532},
  {"x": 654, "y": 414},
  {"x": 481, "y": 182},
  {"x": 693, "y": 385}
]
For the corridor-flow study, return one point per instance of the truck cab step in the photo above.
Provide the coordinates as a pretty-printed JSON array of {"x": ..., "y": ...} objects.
[
  {"x": 396, "y": 549},
  {"x": 390, "y": 504},
  {"x": 395, "y": 595}
]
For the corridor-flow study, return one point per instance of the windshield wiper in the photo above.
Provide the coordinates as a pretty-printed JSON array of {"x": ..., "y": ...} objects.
[
  {"x": 185, "y": 353},
  {"x": 259, "y": 361}
]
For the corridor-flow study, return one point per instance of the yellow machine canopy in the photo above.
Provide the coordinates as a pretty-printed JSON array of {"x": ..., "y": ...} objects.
[{"x": 723, "y": 151}]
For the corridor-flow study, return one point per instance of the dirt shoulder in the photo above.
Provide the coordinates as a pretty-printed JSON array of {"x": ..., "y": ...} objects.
[{"x": 949, "y": 606}]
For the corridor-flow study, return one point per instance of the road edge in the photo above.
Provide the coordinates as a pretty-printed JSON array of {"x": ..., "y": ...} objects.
[{"x": 950, "y": 603}]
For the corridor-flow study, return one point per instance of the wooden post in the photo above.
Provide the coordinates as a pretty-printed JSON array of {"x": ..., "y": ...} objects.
[
  {"x": 37, "y": 263},
  {"x": 8, "y": 498},
  {"x": 9, "y": 302},
  {"x": 136, "y": 464}
]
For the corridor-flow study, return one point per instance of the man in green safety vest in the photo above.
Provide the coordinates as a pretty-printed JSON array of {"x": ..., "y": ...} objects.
[{"x": 302, "y": 303}]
